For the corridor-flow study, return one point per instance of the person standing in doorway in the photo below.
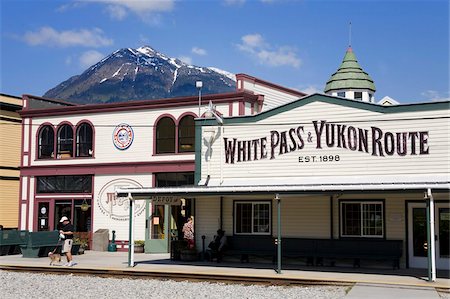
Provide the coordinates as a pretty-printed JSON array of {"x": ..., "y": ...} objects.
[
  {"x": 188, "y": 231},
  {"x": 66, "y": 234}
]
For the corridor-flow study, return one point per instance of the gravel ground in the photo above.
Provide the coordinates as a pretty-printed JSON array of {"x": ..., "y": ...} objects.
[{"x": 35, "y": 285}]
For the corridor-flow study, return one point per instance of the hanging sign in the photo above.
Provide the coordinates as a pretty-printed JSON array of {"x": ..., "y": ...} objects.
[{"x": 166, "y": 200}]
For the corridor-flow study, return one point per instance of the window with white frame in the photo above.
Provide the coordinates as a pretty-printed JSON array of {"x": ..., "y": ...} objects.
[
  {"x": 362, "y": 219},
  {"x": 252, "y": 217}
]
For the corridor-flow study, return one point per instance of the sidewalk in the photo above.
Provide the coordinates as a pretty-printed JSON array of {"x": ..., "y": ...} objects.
[
  {"x": 369, "y": 291},
  {"x": 159, "y": 265}
]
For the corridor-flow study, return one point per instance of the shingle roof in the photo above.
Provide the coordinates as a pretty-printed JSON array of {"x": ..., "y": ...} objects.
[{"x": 350, "y": 75}]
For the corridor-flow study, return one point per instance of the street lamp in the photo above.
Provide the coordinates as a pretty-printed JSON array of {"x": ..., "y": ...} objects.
[{"x": 199, "y": 85}]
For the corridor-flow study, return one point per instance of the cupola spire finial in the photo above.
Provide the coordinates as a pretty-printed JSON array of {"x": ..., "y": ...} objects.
[{"x": 350, "y": 34}]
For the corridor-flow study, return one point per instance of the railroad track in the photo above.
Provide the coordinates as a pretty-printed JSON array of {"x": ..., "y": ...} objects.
[{"x": 192, "y": 276}]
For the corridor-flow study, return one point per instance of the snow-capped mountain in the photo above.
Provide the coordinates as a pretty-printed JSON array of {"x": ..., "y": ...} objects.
[{"x": 137, "y": 74}]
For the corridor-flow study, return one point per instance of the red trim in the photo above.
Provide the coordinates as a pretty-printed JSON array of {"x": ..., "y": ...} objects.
[
  {"x": 155, "y": 127},
  {"x": 177, "y": 133},
  {"x": 84, "y": 121},
  {"x": 22, "y": 142},
  {"x": 245, "y": 77},
  {"x": 241, "y": 108},
  {"x": 239, "y": 88},
  {"x": 122, "y": 245},
  {"x": 60, "y": 125},
  {"x": 184, "y": 114},
  {"x": 140, "y": 105},
  {"x": 52, "y": 203},
  {"x": 110, "y": 168},
  {"x": 93, "y": 205},
  {"x": 30, "y": 135},
  {"x": 38, "y": 132},
  {"x": 51, "y": 212},
  {"x": 260, "y": 102},
  {"x": 230, "y": 109}
]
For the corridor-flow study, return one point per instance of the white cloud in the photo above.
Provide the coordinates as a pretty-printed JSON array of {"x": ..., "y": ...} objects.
[
  {"x": 89, "y": 58},
  {"x": 51, "y": 37},
  {"x": 145, "y": 9},
  {"x": 234, "y": 2},
  {"x": 310, "y": 89},
  {"x": 257, "y": 47},
  {"x": 253, "y": 41},
  {"x": 117, "y": 12},
  {"x": 199, "y": 51},
  {"x": 68, "y": 6},
  {"x": 433, "y": 95},
  {"x": 185, "y": 59}
]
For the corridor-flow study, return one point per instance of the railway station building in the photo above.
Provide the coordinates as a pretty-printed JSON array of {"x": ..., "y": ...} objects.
[{"x": 333, "y": 170}]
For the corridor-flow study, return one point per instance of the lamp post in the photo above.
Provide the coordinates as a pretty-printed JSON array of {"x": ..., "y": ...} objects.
[{"x": 199, "y": 85}]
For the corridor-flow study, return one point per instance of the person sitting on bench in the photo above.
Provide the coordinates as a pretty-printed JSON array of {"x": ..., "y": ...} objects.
[{"x": 218, "y": 245}]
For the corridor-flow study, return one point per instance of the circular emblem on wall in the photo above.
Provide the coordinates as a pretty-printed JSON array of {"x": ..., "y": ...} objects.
[
  {"x": 117, "y": 208},
  {"x": 123, "y": 136}
]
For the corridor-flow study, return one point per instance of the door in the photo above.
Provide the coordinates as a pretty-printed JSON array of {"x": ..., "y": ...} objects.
[
  {"x": 159, "y": 236},
  {"x": 443, "y": 233},
  {"x": 62, "y": 208},
  {"x": 43, "y": 218},
  {"x": 417, "y": 235}
]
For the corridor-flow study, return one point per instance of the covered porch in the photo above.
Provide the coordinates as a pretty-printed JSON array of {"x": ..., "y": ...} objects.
[{"x": 298, "y": 213}]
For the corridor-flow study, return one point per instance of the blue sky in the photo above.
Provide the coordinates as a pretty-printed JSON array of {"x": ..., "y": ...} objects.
[{"x": 403, "y": 45}]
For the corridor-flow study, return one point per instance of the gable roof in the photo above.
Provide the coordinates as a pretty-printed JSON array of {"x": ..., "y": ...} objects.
[{"x": 317, "y": 97}]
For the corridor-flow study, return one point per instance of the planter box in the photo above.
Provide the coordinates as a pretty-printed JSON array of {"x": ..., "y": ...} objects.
[{"x": 138, "y": 248}]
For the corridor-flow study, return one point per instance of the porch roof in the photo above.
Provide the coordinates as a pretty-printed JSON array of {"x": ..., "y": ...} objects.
[{"x": 316, "y": 185}]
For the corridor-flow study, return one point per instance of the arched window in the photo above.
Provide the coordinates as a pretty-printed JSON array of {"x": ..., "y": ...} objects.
[
  {"x": 84, "y": 141},
  {"x": 165, "y": 136},
  {"x": 46, "y": 141},
  {"x": 65, "y": 142},
  {"x": 186, "y": 134}
]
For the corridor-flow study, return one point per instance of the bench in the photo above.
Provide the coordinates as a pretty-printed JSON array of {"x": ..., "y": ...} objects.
[
  {"x": 315, "y": 250},
  {"x": 246, "y": 246},
  {"x": 40, "y": 244},
  {"x": 299, "y": 248},
  {"x": 10, "y": 240},
  {"x": 360, "y": 249}
]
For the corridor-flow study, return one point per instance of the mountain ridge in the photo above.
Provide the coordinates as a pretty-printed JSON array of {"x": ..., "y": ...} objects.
[{"x": 136, "y": 74}]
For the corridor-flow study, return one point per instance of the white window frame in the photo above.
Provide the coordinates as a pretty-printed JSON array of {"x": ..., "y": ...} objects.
[
  {"x": 361, "y": 203},
  {"x": 253, "y": 203}
]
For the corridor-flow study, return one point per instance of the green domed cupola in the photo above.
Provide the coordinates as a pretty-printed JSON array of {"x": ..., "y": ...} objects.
[{"x": 350, "y": 81}]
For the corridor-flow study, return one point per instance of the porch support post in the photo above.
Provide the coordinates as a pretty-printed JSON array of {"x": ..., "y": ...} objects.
[
  {"x": 277, "y": 197},
  {"x": 131, "y": 234},
  {"x": 430, "y": 237}
]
